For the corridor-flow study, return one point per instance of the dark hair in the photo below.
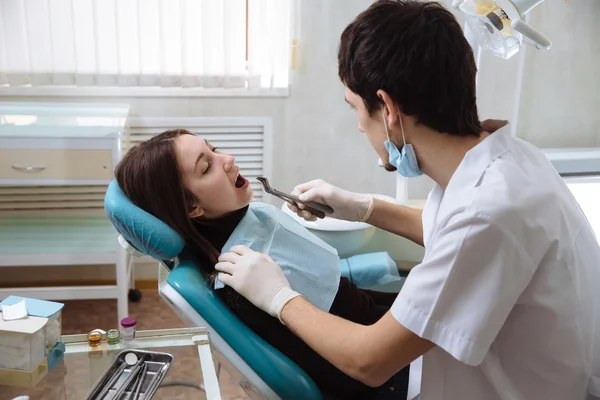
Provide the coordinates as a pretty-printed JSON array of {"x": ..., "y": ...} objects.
[
  {"x": 415, "y": 51},
  {"x": 149, "y": 176}
]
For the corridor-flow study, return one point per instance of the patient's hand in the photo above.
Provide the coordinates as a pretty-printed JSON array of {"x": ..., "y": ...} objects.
[{"x": 256, "y": 277}]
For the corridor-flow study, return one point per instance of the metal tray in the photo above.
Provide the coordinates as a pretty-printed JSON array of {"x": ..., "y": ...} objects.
[{"x": 119, "y": 381}]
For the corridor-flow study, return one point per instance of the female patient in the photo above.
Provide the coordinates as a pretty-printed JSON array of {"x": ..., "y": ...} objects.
[{"x": 184, "y": 181}]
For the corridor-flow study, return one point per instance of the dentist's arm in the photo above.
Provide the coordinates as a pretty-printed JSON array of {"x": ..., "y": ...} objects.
[
  {"x": 371, "y": 354},
  {"x": 400, "y": 220}
]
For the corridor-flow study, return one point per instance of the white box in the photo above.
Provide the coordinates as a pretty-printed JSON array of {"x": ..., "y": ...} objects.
[{"x": 22, "y": 343}]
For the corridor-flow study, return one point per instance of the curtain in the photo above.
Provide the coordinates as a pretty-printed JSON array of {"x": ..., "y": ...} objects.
[{"x": 130, "y": 43}]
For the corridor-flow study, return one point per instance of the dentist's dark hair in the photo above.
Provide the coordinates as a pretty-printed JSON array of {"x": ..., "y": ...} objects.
[
  {"x": 416, "y": 52},
  {"x": 150, "y": 177}
]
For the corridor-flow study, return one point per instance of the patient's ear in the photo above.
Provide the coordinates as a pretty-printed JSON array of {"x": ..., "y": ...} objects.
[{"x": 196, "y": 212}]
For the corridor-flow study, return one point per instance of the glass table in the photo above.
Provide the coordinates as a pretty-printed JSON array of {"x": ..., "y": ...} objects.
[{"x": 82, "y": 365}]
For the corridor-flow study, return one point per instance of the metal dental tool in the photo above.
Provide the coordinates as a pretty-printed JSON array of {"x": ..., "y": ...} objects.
[{"x": 318, "y": 209}]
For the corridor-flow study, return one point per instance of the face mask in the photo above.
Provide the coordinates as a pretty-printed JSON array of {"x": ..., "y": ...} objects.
[{"x": 405, "y": 161}]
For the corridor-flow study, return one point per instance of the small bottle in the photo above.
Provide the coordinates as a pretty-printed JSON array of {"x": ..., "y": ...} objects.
[
  {"x": 128, "y": 328},
  {"x": 113, "y": 336},
  {"x": 94, "y": 338}
]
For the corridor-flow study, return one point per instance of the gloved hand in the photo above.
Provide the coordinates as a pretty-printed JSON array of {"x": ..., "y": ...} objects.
[
  {"x": 346, "y": 205},
  {"x": 256, "y": 277}
]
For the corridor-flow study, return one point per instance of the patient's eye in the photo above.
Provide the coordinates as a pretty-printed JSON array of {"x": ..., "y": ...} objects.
[{"x": 209, "y": 163}]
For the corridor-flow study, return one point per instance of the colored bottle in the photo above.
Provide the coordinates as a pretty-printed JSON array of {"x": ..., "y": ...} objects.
[
  {"x": 94, "y": 338},
  {"x": 113, "y": 336}
]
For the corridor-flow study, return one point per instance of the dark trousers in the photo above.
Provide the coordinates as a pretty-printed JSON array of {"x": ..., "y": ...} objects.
[{"x": 396, "y": 388}]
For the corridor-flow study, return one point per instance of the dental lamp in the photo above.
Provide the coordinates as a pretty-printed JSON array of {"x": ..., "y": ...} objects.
[{"x": 499, "y": 26}]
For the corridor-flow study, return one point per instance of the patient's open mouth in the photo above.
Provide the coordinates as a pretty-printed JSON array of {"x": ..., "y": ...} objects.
[{"x": 240, "y": 181}]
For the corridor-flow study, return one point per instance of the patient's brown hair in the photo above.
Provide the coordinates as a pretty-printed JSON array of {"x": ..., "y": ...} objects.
[{"x": 149, "y": 176}]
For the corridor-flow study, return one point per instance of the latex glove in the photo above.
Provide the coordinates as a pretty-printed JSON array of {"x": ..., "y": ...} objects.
[
  {"x": 346, "y": 205},
  {"x": 256, "y": 277}
]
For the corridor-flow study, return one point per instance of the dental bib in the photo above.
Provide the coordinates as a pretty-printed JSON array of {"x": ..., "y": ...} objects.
[{"x": 310, "y": 265}]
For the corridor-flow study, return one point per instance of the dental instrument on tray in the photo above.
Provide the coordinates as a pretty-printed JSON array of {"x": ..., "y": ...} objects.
[
  {"x": 134, "y": 374},
  {"x": 317, "y": 209}
]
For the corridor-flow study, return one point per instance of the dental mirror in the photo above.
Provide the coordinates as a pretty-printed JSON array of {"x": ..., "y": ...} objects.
[{"x": 131, "y": 358}]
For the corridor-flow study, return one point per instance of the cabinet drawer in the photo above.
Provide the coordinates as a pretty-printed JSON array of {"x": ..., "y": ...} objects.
[{"x": 37, "y": 164}]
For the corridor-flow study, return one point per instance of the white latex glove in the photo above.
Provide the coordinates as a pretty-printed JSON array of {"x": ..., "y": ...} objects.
[
  {"x": 256, "y": 277},
  {"x": 346, "y": 205}
]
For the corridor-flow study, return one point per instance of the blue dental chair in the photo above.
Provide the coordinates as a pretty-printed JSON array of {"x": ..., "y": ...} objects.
[{"x": 263, "y": 371}]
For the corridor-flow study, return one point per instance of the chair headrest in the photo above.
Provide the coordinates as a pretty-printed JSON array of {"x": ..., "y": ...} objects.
[{"x": 141, "y": 229}]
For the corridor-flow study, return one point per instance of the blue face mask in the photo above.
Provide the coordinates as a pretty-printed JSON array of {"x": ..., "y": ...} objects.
[{"x": 405, "y": 161}]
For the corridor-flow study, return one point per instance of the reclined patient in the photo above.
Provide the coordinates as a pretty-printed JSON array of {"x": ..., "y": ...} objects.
[{"x": 197, "y": 190}]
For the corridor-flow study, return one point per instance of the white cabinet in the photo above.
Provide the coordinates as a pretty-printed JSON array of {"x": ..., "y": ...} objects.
[{"x": 56, "y": 160}]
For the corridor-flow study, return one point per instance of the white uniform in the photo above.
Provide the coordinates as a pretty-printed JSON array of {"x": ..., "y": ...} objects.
[{"x": 509, "y": 288}]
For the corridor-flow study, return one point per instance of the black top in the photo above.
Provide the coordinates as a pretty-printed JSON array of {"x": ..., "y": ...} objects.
[{"x": 361, "y": 306}]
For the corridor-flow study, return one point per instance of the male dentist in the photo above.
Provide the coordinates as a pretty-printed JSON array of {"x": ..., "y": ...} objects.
[{"x": 506, "y": 302}]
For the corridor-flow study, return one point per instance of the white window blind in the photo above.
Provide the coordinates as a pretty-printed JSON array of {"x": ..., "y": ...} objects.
[{"x": 183, "y": 44}]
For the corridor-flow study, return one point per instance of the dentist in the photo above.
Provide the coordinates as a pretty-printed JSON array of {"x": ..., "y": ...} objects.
[{"x": 505, "y": 304}]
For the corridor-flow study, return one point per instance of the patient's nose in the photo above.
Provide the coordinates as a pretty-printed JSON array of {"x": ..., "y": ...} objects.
[{"x": 228, "y": 162}]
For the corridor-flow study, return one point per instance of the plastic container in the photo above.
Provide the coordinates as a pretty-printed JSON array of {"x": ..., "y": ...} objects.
[
  {"x": 128, "y": 328},
  {"x": 57, "y": 354}
]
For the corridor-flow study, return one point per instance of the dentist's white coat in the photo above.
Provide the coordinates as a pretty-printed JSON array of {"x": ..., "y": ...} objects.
[{"x": 509, "y": 288}]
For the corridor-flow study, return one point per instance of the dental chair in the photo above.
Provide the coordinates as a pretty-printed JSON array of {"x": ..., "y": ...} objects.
[{"x": 261, "y": 370}]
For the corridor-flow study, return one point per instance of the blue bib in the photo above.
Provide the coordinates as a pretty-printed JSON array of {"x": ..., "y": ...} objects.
[{"x": 310, "y": 265}]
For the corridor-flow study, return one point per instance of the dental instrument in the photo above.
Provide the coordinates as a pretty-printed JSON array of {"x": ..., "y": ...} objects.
[
  {"x": 127, "y": 375},
  {"x": 317, "y": 209},
  {"x": 134, "y": 363},
  {"x": 140, "y": 382}
]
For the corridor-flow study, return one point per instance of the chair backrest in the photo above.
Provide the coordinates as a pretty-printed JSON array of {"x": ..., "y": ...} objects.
[{"x": 266, "y": 369}]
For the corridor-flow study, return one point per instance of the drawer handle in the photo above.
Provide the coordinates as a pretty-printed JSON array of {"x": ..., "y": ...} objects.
[{"x": 26, "y": 168}]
